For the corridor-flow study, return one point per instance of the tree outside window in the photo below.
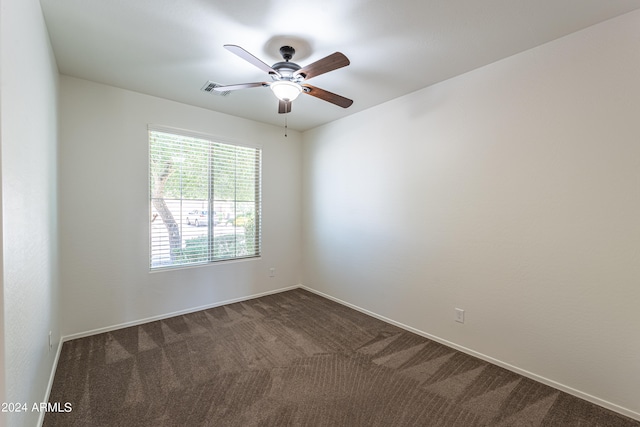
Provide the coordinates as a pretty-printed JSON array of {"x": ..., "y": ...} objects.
[{"x": 205, "y": 200}]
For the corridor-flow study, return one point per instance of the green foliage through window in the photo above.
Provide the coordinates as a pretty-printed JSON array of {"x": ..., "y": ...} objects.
[{"x": 205, "y": 199}]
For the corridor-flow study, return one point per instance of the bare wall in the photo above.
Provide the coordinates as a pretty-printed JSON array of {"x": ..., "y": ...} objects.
[
  {"x": 28, "y": 136},
  {"x": 104, "y": 210},
  {"x": 513, "y": 192}
]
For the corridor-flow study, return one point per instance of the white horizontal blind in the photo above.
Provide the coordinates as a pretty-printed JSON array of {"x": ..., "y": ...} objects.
[{"x": 205, "y": 200}]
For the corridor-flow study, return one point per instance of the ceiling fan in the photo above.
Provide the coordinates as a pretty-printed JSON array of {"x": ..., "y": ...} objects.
[{"x": 289, "y": 78}]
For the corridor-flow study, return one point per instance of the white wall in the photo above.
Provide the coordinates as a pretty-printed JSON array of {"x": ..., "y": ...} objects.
[
  {"x": 28, "y": 135},
  {"x": 104, "y": 210},
  {"x": 513, "y": 192}
]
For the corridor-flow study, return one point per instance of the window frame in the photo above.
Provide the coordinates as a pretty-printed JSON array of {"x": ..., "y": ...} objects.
[{"x": 210, "y": 201}]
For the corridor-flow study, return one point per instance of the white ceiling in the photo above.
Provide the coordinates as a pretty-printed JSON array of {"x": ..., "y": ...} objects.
[{"x": 171, "y": 48}]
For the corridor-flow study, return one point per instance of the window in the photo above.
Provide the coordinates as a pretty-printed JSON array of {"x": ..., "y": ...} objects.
[{"x": 205, "y": 199}]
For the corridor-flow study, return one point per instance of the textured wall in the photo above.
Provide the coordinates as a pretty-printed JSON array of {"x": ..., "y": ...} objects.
[
  {"x": 512, "y": 192},
  {"x": 104, "y": 208},
  {"x": 29, "y": 207}
]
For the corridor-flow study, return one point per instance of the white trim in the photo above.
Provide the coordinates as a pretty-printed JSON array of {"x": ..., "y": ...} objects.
[
  {"x": 257, "y": 159},
  {"x": 66, "y": 338},
  {"x": 201, "y": 135},
  {"x": 172, "y": 314},
  {"x": 569, "y": 390},
  {"x": 577, "y": 393},
  {"x": 205, "y": 264},
  {"x": 47, "y": 392}
]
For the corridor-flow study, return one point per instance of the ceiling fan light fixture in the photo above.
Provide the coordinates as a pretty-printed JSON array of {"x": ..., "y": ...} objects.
[
  {"x": 285, "y": 90},
  {"x": 288, "y": 77}
]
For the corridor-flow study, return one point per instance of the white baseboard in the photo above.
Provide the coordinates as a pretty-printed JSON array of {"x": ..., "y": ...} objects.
[
  {"x": 569, "y": 390},
  {"x": 172, "y": 314},
  {"x": 595, "y": 400},
  {"x": 47, "y": 392},
  {"x": 65, "y": 338}
]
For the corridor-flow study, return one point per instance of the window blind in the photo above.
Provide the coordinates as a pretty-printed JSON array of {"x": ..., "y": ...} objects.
[{"x": 205, "y": 199}]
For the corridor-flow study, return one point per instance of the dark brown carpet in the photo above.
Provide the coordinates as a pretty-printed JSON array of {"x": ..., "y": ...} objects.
[{"x": 295, "y": 359}]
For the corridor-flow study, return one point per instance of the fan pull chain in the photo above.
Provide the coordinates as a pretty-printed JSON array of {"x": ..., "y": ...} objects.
[{"x": 285, "y": 125}]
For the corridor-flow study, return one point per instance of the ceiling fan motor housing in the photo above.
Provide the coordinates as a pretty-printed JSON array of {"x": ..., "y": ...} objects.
[
  {"x": 287, "y": 68},
  {"x": 288, "y": 77}
]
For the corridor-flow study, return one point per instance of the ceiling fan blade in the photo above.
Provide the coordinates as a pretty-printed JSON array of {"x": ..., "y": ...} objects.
[
  {"x": 239, "y": 86},
  {"x": 284, "y": 107},
  {"x": 250, "y": 58},
  {"x": 328, "y": 63},
  {"x": 325, "y": 95}
]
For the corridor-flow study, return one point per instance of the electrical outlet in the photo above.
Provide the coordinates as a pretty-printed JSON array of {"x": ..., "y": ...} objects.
[
  {"x": 272, "y": 272},
  {"x": 459, "y": 315}
]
